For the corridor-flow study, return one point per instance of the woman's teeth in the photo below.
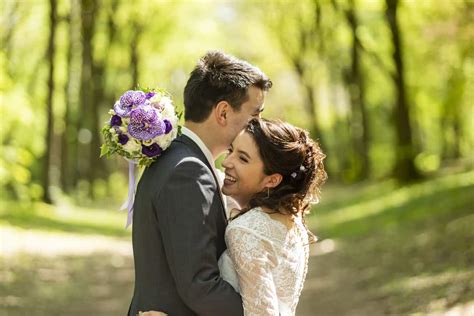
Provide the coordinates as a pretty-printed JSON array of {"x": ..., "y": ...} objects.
[{"x": 229, "y": 178}]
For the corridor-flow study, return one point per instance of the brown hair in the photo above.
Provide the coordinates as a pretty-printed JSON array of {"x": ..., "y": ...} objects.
[
  {"x": 220, "y": 77},
  {"x": 289, "y": 151}
]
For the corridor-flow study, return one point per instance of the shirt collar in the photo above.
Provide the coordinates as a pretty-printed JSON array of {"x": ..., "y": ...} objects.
[{"x": 195, "y": 138}]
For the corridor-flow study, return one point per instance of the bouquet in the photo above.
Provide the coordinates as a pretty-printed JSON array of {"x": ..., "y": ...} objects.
[{"x": 142, "y": 125}]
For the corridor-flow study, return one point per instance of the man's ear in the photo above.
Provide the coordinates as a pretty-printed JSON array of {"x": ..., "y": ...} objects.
[
  {"x": 273, "y": 180},
  {"x": 221, "y": 112}
]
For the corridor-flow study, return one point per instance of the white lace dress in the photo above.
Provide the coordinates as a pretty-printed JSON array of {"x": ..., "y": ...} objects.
[{"x": 266, "y": 262}]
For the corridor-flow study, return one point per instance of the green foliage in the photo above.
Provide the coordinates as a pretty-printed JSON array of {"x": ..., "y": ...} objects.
[{"x": 438, "y": 60}]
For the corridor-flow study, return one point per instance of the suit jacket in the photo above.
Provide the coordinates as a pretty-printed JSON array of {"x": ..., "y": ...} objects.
[{"x": 178, "y": 236}]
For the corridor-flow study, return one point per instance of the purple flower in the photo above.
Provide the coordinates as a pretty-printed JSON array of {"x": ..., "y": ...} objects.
[
  {"x": 115, "y": 120},
  {"x": 127, "y": 101},
  {"x": 131, "y": 98},
  {"x": 152, "y": 150},
  {"x": 150, "y": 95},
  {"x": 168, "y": 126},
  {"x": 121, "y": 111},
  {"x": 122, "y": 139},
  {"x": 145, "y": 124}
]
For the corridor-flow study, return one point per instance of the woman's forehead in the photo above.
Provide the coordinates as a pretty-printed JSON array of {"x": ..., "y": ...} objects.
[{"x": 246, "y": 142}]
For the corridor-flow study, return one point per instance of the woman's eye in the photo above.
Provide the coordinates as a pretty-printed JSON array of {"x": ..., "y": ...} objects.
[{"x": 243, "y": 159}]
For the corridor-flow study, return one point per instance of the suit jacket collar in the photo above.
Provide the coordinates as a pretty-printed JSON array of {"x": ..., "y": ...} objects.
[
  {"x": 197, "y": 150},
  {"x": 198, "y": 141}
]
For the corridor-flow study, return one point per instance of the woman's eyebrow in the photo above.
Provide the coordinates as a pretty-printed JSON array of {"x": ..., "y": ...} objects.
[{"x": 244, "y": 153}]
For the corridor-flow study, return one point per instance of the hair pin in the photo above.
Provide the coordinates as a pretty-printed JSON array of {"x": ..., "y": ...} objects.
[{"x": 293, "y": 175}]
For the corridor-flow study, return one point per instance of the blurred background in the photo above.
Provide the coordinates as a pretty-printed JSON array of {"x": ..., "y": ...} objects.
[{"x": 386, "y": 86}]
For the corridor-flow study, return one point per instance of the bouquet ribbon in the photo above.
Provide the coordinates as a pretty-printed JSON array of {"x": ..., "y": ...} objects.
[{"x": 128, "y": 204}]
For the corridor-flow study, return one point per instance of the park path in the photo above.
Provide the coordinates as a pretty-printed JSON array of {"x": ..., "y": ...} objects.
[
  {"x": 332, "y": 287},
  {"x": 15, "y": 241}
]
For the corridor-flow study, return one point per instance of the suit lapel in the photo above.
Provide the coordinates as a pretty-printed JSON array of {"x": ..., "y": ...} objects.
[{"x": 195, "y": 148}]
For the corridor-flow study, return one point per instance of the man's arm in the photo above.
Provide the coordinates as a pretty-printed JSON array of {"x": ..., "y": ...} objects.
[{"x": 187, "y": 217}]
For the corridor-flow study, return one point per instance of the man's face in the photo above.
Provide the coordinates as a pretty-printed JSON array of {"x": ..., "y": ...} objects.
[{"x": 253, "y": 107}]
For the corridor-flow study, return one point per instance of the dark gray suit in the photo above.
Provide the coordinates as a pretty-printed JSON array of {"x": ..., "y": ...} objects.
[{"x": 178, "y": 236}]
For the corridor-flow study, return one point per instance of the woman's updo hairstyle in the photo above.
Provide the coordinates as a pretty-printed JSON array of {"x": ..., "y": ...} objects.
[{"x": 289, "y": 151}]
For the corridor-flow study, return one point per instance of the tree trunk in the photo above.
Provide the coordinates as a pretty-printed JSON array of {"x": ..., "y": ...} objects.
[
  {"x": 359, "y": 118},
  {"x": 310, "y": 103},
  {"x": 102, "y": 98},
  {"x": 69, "y": 144},
  {"x": 87, "y": 103},
  {"x": 45, "y": 181},
  {"x": 404, "y": 169},
  {"x": 134, "y": 59},
  {"x": 451, "y": 118}
]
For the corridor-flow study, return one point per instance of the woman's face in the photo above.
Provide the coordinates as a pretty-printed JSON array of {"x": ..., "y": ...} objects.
[{"x": 244, "y": 176}]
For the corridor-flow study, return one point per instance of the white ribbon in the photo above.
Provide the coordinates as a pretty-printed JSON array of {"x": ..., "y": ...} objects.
[{"x": 128, "y": 204}]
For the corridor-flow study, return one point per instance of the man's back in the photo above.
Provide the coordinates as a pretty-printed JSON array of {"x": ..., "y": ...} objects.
[{"x": 178, "y": 236}]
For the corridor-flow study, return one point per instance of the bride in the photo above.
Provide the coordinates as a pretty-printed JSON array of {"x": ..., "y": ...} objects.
[{"x": 274, "y": 171}]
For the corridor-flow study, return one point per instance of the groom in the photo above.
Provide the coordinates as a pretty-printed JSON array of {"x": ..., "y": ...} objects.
[{"x": 179, "y": 214}]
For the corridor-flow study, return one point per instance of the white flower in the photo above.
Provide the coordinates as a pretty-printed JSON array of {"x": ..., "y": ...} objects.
[
  {"x": 132, "y": 145},
  {"x": 156, "y": 102},
  {"x": 164, "y": 141}
]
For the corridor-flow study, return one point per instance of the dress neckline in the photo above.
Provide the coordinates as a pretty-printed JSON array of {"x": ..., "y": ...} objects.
[{"x": 260, "y": 210}]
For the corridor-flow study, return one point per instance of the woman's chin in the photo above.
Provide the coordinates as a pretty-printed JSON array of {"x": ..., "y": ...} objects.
[{"x": 226, "y": 191}]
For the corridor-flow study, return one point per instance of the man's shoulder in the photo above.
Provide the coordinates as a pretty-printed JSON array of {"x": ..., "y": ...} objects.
[
  {"x": 177, "y": 153},
  {"x": 178, "y": 158}
]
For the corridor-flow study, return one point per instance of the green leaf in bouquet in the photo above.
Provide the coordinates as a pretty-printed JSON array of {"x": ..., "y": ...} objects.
[{"x": 104, "y": 150}]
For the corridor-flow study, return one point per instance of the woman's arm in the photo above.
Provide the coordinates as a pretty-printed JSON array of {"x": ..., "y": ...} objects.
[{"x": 254, "y": 259}]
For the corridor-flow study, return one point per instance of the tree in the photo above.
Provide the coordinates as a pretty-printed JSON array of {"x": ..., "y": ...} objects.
[
  {"x": 69, "y": 174},
  {"x": 45, "y": 181},
  {"x": 298, "y": 30},
  {"x": 404, "y": 169},
  {"x": 87, "y": 105},
  {"x": 354, "y": 78}
]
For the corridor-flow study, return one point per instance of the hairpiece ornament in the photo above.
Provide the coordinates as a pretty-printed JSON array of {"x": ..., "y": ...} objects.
[{"x": 294, "y": 174}]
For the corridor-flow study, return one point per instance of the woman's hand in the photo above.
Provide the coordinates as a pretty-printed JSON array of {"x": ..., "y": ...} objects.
[{"x": 151, "y": 313}]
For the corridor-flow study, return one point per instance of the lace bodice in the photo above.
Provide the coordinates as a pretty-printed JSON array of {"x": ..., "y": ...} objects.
[{"x": 266, "y": 262}]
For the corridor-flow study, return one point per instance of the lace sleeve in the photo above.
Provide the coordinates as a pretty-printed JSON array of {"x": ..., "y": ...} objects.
[{"x": 253, "y": 257}]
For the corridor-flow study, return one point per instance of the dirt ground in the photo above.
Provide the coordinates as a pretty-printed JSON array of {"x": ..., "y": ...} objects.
[{"x": 67, "y": 274}]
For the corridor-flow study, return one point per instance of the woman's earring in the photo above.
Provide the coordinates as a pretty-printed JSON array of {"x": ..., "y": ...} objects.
[{"x": 268, "y": 192}]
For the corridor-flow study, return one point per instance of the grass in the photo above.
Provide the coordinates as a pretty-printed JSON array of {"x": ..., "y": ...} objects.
[
  {"x": 63, "y": 218},
  {"x": 357, "y": 212}
]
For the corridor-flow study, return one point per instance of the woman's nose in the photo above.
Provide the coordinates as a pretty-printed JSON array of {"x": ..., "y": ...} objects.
[{"x": 226, "y": 163}]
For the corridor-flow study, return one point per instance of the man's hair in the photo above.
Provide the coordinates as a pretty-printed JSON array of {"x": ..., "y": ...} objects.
[{"x": 220, "y": 77}]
